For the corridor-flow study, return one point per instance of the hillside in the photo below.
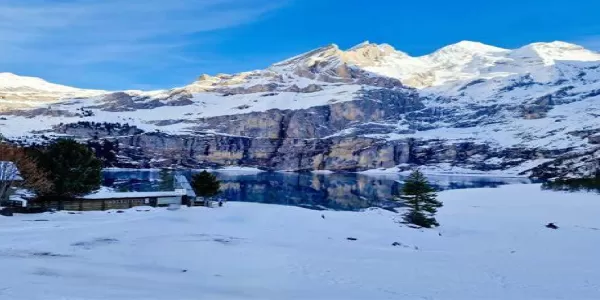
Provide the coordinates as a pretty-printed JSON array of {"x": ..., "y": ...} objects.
[
  {"x": 467, "y": 107},
  {"x": 492, "y": 244}
]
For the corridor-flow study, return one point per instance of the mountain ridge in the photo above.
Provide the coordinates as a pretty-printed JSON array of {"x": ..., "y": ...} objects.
[
  {"x": 549, "y": 52},
  {"x": 481, "y": 107}
]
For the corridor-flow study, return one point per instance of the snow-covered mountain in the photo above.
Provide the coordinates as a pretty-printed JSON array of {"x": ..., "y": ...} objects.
[
  {"x": 465, "y": 106},
  {"x": 21, "y": 91}
]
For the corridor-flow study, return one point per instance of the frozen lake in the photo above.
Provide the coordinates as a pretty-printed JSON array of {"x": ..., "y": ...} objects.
[{"x": 337, "y": 191}]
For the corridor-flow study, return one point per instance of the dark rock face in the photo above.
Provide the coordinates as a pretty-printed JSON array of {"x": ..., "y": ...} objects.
[
  {"x": 311, "y": 88},
  {"x": 351, "y": 153},
  {"x": 338, "y": 137},
  {"x": 538, "y": 108},
  {"x": 121, "y": 101},
  {"x": 585, "y": 164},
  {"x": 96, "y": 130},
  {"x": 260, "y": 88},
  {"x": 595, "y": 139},
  {"x": 317, "y": 122},
  {"x": 41, "y": 112}
]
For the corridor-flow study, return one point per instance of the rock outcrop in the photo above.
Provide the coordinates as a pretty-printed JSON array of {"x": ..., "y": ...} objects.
[{"x": 468, "y": 106}]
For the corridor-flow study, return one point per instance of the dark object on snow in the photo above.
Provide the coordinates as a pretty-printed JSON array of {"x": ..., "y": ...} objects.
[
  {"x": 183, "y": 271},
  {"x": 396, "y": 244},
  {"x": 551, "y": 226},
  {"x": 439, "y": 233},
  {"x": 220, "y": 203},
  {"x": 41, "y": 220},
  {"x": 351, "y": 239},
  {"x": 120, "y": 211},
  {"x": 7, "y": 212},
  {"x": 323, "y": 216}
]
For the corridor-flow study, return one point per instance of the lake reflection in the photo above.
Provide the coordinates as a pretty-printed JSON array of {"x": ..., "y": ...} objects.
[{"x": 315, "y": 191}]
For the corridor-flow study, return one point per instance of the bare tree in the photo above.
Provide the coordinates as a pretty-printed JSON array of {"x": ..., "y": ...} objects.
[{"x": 19, "y": 169}]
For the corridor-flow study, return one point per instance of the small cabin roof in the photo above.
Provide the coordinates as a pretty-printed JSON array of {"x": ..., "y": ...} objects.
[
  {"x": 183, "y": 183},
  {"x": 131, "y": 195}
]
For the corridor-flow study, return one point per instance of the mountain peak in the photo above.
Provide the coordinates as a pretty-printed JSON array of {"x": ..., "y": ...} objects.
[
  {"x": 471, "y": 47},
  {"x": 361, "y": 45},
  {"x": 13, "y": 86},
  {"x": 316, "y": 54},
  {"x": 551, "y": 52},
  {"x": 367, "y": 46},
  {"x": 555, "y": 44},
  {"x": 8, "y": 75},
  {"x": 14, "y": 81},
  {"x": 13, "y": 76}
]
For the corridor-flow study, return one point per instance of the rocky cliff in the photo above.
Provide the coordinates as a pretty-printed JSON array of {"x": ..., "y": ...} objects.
[{"x": 468, "y": 107}]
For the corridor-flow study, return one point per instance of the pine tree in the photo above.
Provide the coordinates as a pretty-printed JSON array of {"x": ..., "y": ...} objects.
[
  {"x": 421, "y": 200},
  {"x": 72, "y": 168},
  {"x": 167, "y": 180},
  {"x": 205, "y": 184}
]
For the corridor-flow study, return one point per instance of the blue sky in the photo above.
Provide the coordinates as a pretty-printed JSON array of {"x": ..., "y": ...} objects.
[{"x": 150, "y": 44}]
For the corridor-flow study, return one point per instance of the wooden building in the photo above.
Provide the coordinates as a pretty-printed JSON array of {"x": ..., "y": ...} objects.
[{"x": 105, "y": 201}]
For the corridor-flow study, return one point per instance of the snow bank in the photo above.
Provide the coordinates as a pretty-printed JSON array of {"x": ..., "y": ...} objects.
[{"x": 493, "y": 245}]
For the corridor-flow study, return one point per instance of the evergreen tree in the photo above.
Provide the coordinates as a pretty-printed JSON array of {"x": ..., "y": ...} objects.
[
  {"x": 205, "y": 184},
  {"x": 421, "y": 200},
  {"x": 167, "y": 180},
  {"x": 105, "y": 150},
  {"x": 72, "y": 168}
]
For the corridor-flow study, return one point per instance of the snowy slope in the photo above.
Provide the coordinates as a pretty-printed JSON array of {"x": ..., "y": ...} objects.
[
  {"x": 496, "y": 249},
  {"x": 541, "y": 96},
  {"x": 466, "y": 61},
  {"x": 22, "y": 91},
  {"x": 12, "y": 82}
]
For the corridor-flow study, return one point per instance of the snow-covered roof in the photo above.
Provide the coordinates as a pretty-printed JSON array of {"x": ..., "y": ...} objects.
[
  {"x": 9, "y": 171},
  {"x": 183, "y": 183},
  {"x": 18, "y": 199},
  {"x": 119, "y": 195}
]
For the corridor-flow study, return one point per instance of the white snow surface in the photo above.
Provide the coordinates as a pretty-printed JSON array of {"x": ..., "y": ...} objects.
[
  {"x": 493, "y": 245},
  {"x": 446, "y": 169},
  {"x": 25, "y": 91},
  {"x": 465, "y": 60},
  {"x": 117, "y": 195},
  {"x": 204, "y": 105}
]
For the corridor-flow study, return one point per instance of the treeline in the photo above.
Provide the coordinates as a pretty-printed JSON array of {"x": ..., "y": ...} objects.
[
  {"x": 591, "y": 184},
  {"x": 66, "y": 169},
  {"x": 62, "y": 169}
]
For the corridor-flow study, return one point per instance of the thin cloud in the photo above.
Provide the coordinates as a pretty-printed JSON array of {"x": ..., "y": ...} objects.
[{"x": 79, "y": 33}]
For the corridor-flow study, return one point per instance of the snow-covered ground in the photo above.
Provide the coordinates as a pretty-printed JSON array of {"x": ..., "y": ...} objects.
[
  {"x": 493, "y": 245},
  {"x": 446, "y": 169}
]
